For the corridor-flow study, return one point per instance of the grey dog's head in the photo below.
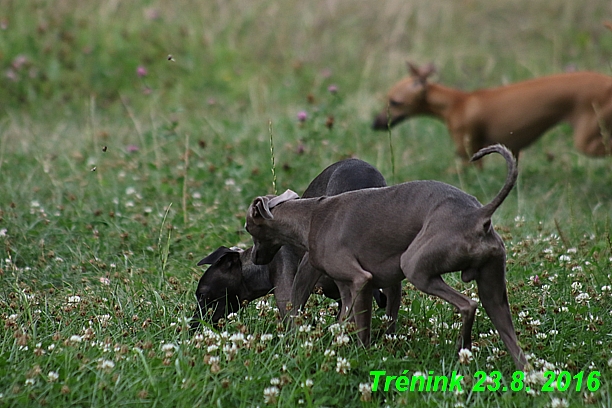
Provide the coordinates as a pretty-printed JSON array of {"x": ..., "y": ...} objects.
[{"x": 259, "y": 223}]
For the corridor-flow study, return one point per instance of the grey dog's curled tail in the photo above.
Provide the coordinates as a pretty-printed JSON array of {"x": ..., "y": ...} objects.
[{"x": 489, "y": 209}]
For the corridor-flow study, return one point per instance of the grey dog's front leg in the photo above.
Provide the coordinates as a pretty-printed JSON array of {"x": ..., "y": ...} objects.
[
  {"x": 394, "y": 299},
  {"x": 303, "y": 284}
]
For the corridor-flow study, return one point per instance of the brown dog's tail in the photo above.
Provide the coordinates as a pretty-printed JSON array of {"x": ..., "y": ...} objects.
[{"x": 489, "y": 209}]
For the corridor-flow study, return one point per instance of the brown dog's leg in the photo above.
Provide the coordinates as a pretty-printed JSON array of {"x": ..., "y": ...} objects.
[{"x": 592, "y": 136}]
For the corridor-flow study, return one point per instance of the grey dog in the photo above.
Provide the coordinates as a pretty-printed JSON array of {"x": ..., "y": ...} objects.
[
  {"x": 233, "y": 279},
  {"x": 375, "y": 237}
]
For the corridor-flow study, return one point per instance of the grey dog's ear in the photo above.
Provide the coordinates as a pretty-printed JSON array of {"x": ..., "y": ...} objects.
[
  {"x": 260, "y": 208},
  {"x": 262, "y": 205},
  {"x": 286, "y": 196}
]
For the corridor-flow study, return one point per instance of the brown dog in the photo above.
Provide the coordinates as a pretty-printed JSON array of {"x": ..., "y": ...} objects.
[{"x": 513, "y": 115}]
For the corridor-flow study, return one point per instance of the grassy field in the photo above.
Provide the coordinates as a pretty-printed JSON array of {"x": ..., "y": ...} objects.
[{"x": 133, "y": 136}]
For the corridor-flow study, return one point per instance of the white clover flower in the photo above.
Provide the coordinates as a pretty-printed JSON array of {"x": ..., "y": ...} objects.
[
  {"x": 53, "y": 376},
  {"x": 305, "y": 328},
  {"x": 308, "y": 383},
  {"x": 541, "y": 336},
  {"x": 335, "y": 328},
  {"x": 342, "y": 365},
  {"x": 420, "y": 374},
  {"x": 365, "y": 388},
  {"x": 237, "y": 338},
  {"x": 167, "y": 347},
  {"x": 465, "y": 356},
  {"x": 342, "y": 339},
  {"x": 266, "y": 337},
  {"x": 565, "y": 258},
  {"x": 212, "y": 348},
  {"x": 329, "y": 353},
  {"x": 270, "y": 394},
  {"x": 275, "y": 381},
  {"x": 130, "y": 191},
  {"x": 263, "y": 305},
  {"x": 582, "y": 298},
  {"x": 30, "y": 381},
  {"x": 103, "y": 319},
  {"x": 75, "y": 338},
  {"x": 74, "y": 299},
  {"x": 559, "y": 403},
  {"x": 535, "y": 378},
  {"x": 105, "y": 365}
]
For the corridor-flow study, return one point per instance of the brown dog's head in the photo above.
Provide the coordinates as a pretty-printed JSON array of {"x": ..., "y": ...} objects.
[
  {"x": 406, "y": 98},
  {"x": 259, "y": 223}
]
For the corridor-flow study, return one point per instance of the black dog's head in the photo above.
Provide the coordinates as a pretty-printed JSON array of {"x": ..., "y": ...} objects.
[{"x": 218, "y": 289}]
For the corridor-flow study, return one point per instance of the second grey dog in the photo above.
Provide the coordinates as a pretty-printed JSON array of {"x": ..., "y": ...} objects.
[
  {"x": 376, "y": 237},
  {"x": 233, "y": 279}
]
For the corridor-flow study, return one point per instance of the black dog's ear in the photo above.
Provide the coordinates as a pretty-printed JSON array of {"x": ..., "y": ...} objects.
[{"x": 217, "y": 255}]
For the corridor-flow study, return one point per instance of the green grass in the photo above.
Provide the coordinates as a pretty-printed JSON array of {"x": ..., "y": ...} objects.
[{"x": 115, "y": 185}]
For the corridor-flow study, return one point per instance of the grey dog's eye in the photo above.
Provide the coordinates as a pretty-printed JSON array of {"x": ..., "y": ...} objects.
[{"x": 394, "y": 103}]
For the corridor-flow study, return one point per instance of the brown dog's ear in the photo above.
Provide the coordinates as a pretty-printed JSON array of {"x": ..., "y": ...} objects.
[
  {"x": 422, "y": 73},
  {"x": 412, "y": 69}
]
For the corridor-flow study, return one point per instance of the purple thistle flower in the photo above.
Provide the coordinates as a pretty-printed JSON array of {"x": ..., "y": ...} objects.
[
  {"x": 302, "y": 116},
  {"x": 131, "y": 148},
  {"x": 333, "y": 89},
  {"x": 141, "y": 71}
]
